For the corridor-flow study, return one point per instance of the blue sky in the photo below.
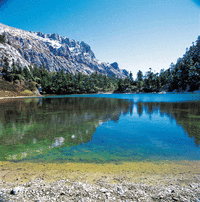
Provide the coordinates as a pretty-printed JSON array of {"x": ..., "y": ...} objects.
[{"x": 136, "y": 34}]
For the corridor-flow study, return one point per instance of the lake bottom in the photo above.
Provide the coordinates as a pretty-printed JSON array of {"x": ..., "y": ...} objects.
[{"x": 146, "y": 172}]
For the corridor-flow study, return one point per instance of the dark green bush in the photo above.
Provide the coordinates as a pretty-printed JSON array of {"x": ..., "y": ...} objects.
[{"x": 2, "y": 39}]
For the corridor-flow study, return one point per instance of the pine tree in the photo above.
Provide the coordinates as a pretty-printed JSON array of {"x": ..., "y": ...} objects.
[
  {"x": 27, "y": 74},
  {"x": 6, "y": 66},
  {"x": 139, "y": 80},
  {"x": 2, "y": 39}
]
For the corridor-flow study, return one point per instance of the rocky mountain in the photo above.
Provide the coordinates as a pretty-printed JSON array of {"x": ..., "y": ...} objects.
[{"x": 53, "y": 51}]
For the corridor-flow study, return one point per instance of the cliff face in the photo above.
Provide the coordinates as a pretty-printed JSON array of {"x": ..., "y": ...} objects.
[{"x": 53, "y": 51}]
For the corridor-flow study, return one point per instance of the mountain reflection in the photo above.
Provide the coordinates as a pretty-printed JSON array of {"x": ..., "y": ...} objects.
[
  {"x": 186, "y": 114},
  {"x": 39, "y": 127},
  {"x": 32, "y": 125}
]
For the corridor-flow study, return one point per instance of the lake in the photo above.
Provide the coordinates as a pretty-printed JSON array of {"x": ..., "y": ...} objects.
[{"x": 101, "y": 128}]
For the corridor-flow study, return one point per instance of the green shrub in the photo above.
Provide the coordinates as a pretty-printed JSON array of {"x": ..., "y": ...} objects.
[
  {"x": 38, "y": 80},
  {"x": 30, "y": 85},
  {"x": 13, "y": 77},
  {"x": 2, "y": 39},
  {"x": 27, "y": 92}
]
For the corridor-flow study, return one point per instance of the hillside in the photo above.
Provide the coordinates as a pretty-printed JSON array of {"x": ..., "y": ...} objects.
[
  {"x": 63, "y": 66},
  {"x": 13, "y": 89},
  {"x": 52, "y": 51}
]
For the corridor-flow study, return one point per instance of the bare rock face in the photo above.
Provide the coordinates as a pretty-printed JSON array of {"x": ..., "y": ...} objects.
[{"x": 53, "y": 51}]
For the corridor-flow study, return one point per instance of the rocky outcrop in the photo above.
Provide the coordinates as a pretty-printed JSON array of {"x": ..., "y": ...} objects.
[{"x": 53, "y": 51}]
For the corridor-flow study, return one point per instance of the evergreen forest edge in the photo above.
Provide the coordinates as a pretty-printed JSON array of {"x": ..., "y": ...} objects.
[{"x": 179, "y": 77}]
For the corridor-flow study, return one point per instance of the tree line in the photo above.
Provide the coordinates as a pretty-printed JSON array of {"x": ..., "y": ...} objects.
[
  {"x": 62, "y": 82},
  {"x": 179, "y": 77},
  {"x": 182, "y": 76}
]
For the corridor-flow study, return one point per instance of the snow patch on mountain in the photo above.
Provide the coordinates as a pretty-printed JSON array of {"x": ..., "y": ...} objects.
[{"x": 53, "y": 51}]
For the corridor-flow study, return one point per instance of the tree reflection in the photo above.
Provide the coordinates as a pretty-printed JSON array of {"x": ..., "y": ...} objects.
[
  {"x": 186, "y": 114},
  {"x": 30, "y": 127},
  {"x": 140, "y": 108},
  {"x": 51, "y": 123}
]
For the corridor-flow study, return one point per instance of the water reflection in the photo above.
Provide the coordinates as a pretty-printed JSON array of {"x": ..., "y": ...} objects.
[
  {"x": 36, "y": 125},
  {"x": 53, "y": 128},
  {"x": 186, "y": 115}
]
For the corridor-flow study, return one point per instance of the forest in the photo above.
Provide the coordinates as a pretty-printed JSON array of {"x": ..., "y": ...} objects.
[{"x": 179, "y": 77}]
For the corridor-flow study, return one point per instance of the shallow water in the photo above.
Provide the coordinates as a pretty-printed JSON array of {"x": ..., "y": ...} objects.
[{"x": 101, "y": 128}]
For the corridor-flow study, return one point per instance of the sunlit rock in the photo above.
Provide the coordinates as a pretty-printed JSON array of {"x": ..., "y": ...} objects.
[{"x": 54, "y": 52}]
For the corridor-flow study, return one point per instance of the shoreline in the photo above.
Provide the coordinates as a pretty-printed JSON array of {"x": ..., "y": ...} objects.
[
  {"x": 36, "y": 96},
  {"x": 1, "y": 98},
  {"x": 54, "y": 171},
  {"x": 136, "y": 181},
  {"x": 99, "y": 93},
  {"x": 128, "y": 181}
]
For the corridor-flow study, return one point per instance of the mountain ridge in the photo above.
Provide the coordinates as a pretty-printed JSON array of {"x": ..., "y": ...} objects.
[{"x": 55, "y": 52}]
